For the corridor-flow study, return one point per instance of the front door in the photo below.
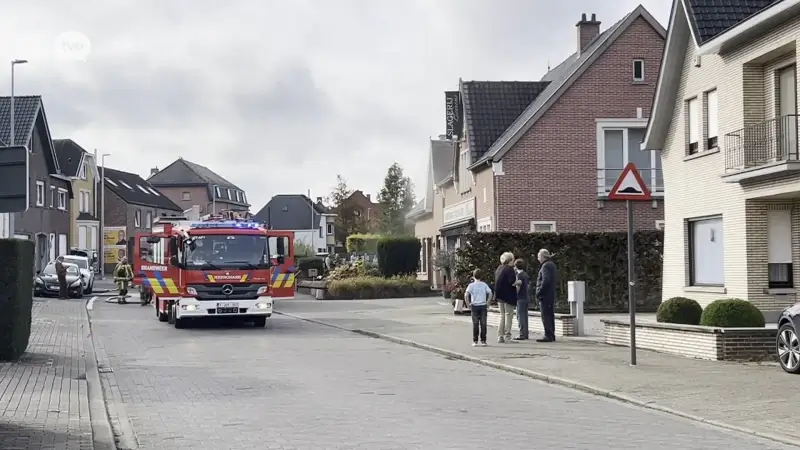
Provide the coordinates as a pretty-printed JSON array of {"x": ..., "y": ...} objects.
[
  {"x": 282, "y": 281},
  {"x": 787, "y": 108}
]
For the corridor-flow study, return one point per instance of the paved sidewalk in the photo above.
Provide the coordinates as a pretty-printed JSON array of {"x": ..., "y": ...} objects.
[
  {"x": 757, "y": 397},
  {"x": 44, "y": 397}
]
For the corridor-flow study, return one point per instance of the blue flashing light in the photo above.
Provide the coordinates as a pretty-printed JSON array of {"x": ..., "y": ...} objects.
[{"x": 226, "y": 225}]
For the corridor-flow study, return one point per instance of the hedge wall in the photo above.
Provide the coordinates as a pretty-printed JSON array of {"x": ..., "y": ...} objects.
[
  {"x": 363, "y": 243},
  {"x": 16, "y": 296},
  {"x": 398, "y": 255},
  {"x": 599, "y": 259}
]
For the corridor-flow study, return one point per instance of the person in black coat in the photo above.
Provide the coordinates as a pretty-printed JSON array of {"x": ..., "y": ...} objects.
[
  {"x": 546, "y": 283},
  {"x": 505, "y": 291}
]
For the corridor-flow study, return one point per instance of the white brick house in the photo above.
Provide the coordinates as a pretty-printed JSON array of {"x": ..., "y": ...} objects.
[{"x": 725, "y": 117}]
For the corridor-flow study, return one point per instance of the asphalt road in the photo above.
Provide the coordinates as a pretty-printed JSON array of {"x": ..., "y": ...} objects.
[{"x": 297, "y": 385}]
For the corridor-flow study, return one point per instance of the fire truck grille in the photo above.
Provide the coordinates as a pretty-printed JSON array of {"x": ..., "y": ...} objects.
[{"x": 214, "y": 291}]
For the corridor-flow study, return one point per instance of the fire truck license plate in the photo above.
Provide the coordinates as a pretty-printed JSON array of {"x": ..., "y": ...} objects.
[{"x": 227, "y": 308}]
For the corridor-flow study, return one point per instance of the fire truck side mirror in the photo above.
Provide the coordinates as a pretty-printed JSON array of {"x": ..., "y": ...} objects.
[{"x": 174, "y": 260}]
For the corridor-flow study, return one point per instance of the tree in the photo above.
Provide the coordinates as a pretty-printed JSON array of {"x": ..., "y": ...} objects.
[
  {"x": 396, "y": 199},
  {"x": 347, "y": 221}
]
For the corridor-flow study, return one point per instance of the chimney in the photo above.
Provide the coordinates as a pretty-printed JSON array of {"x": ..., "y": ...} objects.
[
  {"x": 153, "y": 171},
  {"x": 319, "y": 200},
  {"x": 588, "y": 30},
  {"x": 368, "y": 197}
]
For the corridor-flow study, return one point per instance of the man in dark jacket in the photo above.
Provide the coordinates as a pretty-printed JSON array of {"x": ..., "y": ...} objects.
[
  {"x": 61, "y": 273},
  {"x": 546, "y": 284},
  {"x": 505, "y": 291}
]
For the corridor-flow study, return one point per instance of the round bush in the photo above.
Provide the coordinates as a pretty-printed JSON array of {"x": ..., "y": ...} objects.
[
  {"x": 680, "y": 310},
  {"x": 732, "y": 313}
]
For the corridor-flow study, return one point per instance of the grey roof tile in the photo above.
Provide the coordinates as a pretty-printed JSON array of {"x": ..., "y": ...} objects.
[
  {"x": 710, "y": 18},
  {"x": 491, "y": 106},
  {"x": 134, "y": 190},
  {"x": 26, "y": 109},
  {"x": 186, "y": 173},
  {"x": 290, "y": 212}
]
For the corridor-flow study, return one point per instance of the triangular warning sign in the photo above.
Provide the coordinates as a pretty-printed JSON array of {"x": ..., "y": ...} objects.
[{"x": 629, "y": 186}]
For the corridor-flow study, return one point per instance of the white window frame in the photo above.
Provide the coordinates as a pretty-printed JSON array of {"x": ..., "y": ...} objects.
[
  {"x": 329, "y": 228},
  {"x": 82, "y": 172},
  {"x": 484, "y": 225},
  {"x": 464, "y": 175},
  {"x": 148, "y": 219},
  {"x": 186, "y": 196},
  {"x": 230, "y": 197},
  {"x": 623, "y": 125},
  {"x": 694, "y": 119},
  {"x": 712, "y": 119},
  {"x": 779, "y": 248},
  {"x": 660, "y": 225},
  {"x": 704, "y": 265},
  {"x": 244, "y": 199},
  {"x": 218, "y": 191},
  {"x": 137, "y": 218},
  {"x": 549, "y": 223},
  {"x": 52, "y": 196},
  {"x": 40, "y": 193},
  {"x": 633, "y": 70},
  {"x": 62, "y": 199}
]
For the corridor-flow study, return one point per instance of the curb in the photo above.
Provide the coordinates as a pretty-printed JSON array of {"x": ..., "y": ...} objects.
[
  {"x": 571, "y": 384},
  {"x": 116, "y": 422},
  {"x": 102, "y": 434}
]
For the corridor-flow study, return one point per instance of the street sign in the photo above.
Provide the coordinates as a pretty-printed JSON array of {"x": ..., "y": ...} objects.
[
  {"x": 14, "y": 190},
  {"x": 629, "y": 186}
]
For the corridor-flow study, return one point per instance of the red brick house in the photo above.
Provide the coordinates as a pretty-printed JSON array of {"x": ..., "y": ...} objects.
[
  {"x": 363, "y": 207},
  {"x": 552, "y": 168}
]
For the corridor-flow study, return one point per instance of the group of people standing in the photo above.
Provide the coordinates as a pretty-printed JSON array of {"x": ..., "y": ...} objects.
[{"x": 512, "y": 292}]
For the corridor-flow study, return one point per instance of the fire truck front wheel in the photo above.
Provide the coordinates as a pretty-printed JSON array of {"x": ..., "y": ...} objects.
[{"x": 260, "y": 322}]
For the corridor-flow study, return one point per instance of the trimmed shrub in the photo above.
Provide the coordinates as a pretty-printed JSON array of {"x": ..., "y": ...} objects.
[
  {"x": 314, "y": 262},
  {"x": 16, "y": 296},
  {"x": 732, "y": 313},
  {"x": 398, "y": 255},
  {"x": 680, "y": 310},
  {"x": 599, "y": 259},
  {"x": 363, "y": 243},
  {"x": 358, "y": 268},
  {"x": 377, "y": 287}
]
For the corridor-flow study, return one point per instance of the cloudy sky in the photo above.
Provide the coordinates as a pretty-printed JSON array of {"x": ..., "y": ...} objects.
[{"x": 277, "y": 96}]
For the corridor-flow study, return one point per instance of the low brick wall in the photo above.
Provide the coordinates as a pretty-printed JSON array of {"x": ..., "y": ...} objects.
[
  {"x": 319, "y": 290},
  {"x": 565, "y": 324},
  {"x": 718, "y": 344}
]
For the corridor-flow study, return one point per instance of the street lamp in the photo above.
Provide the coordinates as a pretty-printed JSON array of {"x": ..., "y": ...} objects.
[
  {"x": 11, "y": 231},
  {"x": 102, "y": 255}
]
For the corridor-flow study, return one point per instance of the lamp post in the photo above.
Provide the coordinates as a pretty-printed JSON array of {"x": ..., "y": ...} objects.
[
  {"x": 14, "y": 63},
  {"x": 102, "y": 255}
]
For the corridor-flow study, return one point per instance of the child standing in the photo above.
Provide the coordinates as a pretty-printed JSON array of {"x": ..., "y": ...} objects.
[
  {"x": 522, "y": 299},
  {"x": 477, "y": 297}
]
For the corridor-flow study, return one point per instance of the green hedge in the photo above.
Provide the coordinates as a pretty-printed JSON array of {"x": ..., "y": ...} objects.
[
  {"x": 732, "y": 313},
  {"x": 314, "y": 262},
  {"x": 16, "y": 296},
  {"x": 679, "y": 310},
  {"x": 368, "y": 287},
  {"x": 363, "y": 243},
  {"x": 599, "y": 259},
  {"x": 398, "y": 255}
]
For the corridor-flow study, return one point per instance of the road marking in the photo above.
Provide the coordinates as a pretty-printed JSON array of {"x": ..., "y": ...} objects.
[{"x": 90, "y": 303}]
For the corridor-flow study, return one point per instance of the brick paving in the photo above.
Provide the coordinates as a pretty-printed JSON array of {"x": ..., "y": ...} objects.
[
  {"x": 302, "y": 386},
  {"x": 756, "y": 396},
  {"x": 44, "y": 396}
]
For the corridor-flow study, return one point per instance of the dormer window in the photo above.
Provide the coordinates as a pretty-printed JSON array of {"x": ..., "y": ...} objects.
[
  {"x": 82, "y": 172},
  {"x": 218, "y": 191}
]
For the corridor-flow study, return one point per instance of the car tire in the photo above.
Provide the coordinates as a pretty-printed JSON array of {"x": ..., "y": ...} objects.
[
  {"x": 259, "y": 322},
  {"x": 80, "y": 292},
  {"x": 787, "y": 345},
  {"x": 181, "y": 323}
]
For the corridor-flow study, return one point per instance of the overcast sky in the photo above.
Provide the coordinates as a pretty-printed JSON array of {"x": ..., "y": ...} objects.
[{"x": 277, "y": 96}]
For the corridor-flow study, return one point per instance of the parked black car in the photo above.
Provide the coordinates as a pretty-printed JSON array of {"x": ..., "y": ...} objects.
[
  {"x": 46, "y": 282},
  {"x": 787, "y": 343}
]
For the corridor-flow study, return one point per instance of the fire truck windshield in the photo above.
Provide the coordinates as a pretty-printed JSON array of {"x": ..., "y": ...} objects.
[{"x": 220, "y": 251}]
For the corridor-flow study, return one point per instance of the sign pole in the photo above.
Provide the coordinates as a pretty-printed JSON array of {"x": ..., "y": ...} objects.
[
  {"x": 631, "y": 283},
  {"x": 630, "y": 187}
]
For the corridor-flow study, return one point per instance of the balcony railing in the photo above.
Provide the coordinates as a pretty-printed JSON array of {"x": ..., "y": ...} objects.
[
  {"x": 606, "y": 177},
  {"x": 767, "y": 142}
]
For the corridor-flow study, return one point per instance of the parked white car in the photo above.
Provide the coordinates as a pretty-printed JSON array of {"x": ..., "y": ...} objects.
[{"x": 85, "y": 267}]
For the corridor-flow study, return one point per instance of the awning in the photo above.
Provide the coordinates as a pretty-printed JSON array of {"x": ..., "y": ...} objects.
[{"x": 458, "y": 228}]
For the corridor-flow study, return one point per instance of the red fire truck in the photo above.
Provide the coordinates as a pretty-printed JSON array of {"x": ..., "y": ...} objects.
[{"x": 221, "y": 266}]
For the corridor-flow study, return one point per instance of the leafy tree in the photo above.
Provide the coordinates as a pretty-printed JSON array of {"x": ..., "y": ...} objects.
[
  {"x": 347, "y": 221},
  {"x": 396, "y": 199}
]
